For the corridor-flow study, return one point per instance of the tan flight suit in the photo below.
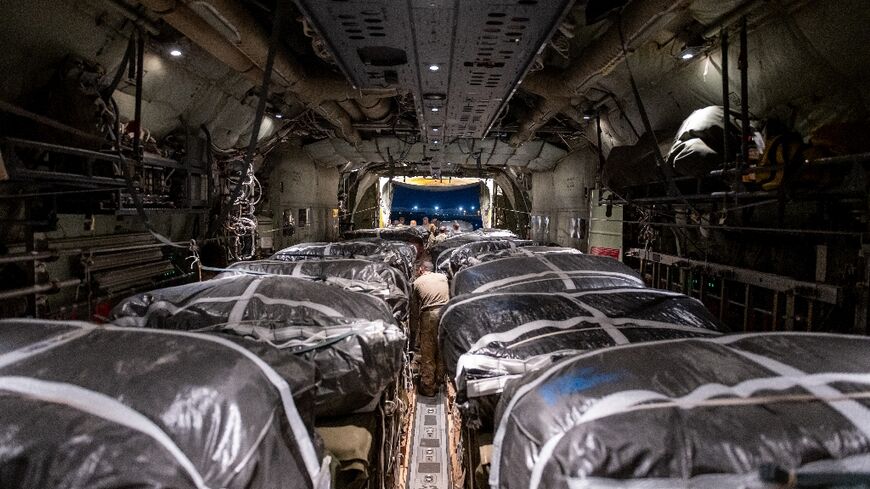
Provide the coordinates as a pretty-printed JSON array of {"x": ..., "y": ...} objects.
[{"x": 430, "y": 293}]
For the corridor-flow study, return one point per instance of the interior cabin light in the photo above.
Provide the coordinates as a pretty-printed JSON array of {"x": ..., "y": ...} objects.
[
  {"x": 588, "y": 115},
  {"x": 175, "y": 53},
  {"x": 279, "y": 115},
  {"x": 434, "y": 129},
  {"x": 434, "y": 109},
  {"x": 691, "y": 50},
  {"x": 434, "y": 67}
]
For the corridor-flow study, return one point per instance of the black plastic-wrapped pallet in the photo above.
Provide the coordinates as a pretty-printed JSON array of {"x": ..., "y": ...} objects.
[
  {"x": 487, "y": 339},
  {"x": 84, "y": 406},
  {"x": 691, "y": 413},
  {"x": 524, "y": 251},
  {"x": 395, "y": 253},
  {"x": 454, "y": 259},
  {"x": 351, "y": 337},
  {"x": 369, "y": 277},
  {"x": 458, "y": 239},
  {"x": 550, "y": 272},
  {"x": 416, "y": 234}
]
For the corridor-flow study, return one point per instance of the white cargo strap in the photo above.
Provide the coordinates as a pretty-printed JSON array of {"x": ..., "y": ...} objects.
[
  {"x": 304, "y": 336},
  {"x": 548, "y": 275},
  {"x": 496, "y": 366},
  {"x": 856, "y": 413},
  {"x": 172, "y": 309},
  {"x": 297, "y": 426},
  {"x": 611, "y": 326},
  {"x": 238, "y": 311},
  {"x": 569, "y": 284},
  {"x": 103, "y": 406},
  {"x": 749, "y": 480},
  {"x": 43, "y": 345}
]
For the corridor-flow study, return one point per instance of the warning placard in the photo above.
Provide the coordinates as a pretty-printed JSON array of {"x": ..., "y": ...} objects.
[{"x": 602, "y": 251}]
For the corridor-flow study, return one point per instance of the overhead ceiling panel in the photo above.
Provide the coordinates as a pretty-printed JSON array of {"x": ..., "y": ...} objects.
[{"x": 461, "y": 59}]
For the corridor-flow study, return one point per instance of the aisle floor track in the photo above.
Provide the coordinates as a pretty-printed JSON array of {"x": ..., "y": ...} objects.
[{"x": 429, "y": 458}]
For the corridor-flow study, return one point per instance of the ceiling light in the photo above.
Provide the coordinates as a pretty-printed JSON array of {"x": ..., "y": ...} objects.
[
  {"x": 588, "y": 115},
  {"x": 690, "y": 51},
  {"x": 434, "y": 67},
  {"x": 434, "y": 109},
  {"x": 436, "y": 207},
  {"x": 415, "y": 207},
  {"x": 434, "y": 129},
  {"x": 279, "y": 115},
  {"x": 175, "y": 52},
  {"x": 435, "y": 142}
]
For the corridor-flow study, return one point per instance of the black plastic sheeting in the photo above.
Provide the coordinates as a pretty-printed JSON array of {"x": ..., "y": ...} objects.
[
  {"x": 454, "y": 259},
  {"x": 523, "y": 251},
  {"x": 369, "y": 277},
  {"x": 460, "y": 239},
  {"x": 486, "y": 338},
  {"x": 84, "y": 406},
  {"x": 550, "y": 272},
  {"x": 689, "y": 413},
  {"x": 395, "y": 253},
  {"x": 351, "y": 337},
  {"x": 416, "y": 234}
]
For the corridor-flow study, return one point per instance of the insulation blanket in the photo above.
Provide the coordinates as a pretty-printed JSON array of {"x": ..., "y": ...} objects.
[
  {"x": 374, "y": 278},
  {"x": 487, "y": 339},
  {"x": 103, "y": 407},
  {"x": 545, "y": 272},
  {"x": 692, "y": 413},
  {"x": 351, "y": 337},
  {"x": 700, "y": 142},
  {"x": 454, "y": 259},
  {"x": 398, "y": 254}
]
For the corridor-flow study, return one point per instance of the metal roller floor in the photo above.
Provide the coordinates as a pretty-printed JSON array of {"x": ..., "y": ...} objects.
[{"x": 429, "y": 457}]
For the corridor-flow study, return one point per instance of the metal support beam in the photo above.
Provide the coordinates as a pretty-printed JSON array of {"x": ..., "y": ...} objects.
[
  {"x": 830, "y": 294},
  {"x": 726, "y": 99},
  {"x": 743, "y": 62}
]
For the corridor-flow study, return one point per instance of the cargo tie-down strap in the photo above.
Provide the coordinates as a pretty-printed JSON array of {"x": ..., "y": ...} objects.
[
  {"x": 236, "y": 314},
  {"x": 567, "y": 278},
  {"x": 110, "y": 409},
  {"x": 817, "y": 385},
  {"x": 302, "y": 339}
]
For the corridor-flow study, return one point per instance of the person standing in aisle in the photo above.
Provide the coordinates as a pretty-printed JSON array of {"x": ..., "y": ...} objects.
[{"x": 430, "y": 292}]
